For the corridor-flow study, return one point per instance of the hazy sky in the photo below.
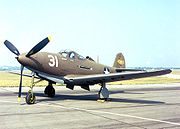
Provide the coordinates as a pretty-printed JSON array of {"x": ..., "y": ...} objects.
[{"x": 147, "y": 32}]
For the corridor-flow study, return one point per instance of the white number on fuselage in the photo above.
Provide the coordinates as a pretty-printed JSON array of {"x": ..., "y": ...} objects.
[{"x": 53, "y": 61}]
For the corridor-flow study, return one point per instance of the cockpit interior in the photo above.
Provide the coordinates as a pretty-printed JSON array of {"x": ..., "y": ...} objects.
[{"x": 71, "y": 55}]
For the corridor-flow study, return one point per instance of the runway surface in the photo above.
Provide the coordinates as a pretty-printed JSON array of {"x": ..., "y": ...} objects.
[{"x": 131, "y": 106}]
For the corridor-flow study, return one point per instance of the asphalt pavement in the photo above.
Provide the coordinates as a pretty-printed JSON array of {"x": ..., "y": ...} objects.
[{"x": 131, "y": 106}]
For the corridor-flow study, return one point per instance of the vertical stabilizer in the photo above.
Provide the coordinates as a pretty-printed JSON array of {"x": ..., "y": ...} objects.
[{"x": 119, "y": 61}]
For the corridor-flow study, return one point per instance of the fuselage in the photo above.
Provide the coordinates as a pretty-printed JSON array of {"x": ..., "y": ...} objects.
[{"x": 62, "y": 64}]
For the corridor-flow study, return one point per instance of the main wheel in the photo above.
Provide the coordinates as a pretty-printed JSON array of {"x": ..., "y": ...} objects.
[
  {"x": 30, "y": 98},
  {"x": 49, "y": 91},
  {"x": 103, "y": 93}
]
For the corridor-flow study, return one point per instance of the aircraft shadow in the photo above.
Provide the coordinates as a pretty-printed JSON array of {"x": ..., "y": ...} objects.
[
  {"x": 136, "y": 101},
  {"x": 124, "y": 92},
  {"x": 92, "y": 97}
]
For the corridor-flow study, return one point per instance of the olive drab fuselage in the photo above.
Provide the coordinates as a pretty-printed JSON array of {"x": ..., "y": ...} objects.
[{"x": 59, "y": 65}]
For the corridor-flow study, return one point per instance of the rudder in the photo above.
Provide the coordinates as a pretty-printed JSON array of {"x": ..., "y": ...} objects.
[{"x": 119, "y": 61}]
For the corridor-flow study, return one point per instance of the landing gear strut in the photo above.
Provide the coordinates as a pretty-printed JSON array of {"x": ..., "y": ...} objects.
[
  {"x": 49, "y": 90},
  {"x": 30, "y": 97},
  {"x": 103, "y": 94}
]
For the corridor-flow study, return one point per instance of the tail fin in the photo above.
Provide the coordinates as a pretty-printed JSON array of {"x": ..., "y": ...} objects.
[{"x": 119, "y": 61}]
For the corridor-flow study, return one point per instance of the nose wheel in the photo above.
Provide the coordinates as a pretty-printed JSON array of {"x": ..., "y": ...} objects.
[
  {"x": 49, "y": 90},
  {"x": 30, "y": 98}
]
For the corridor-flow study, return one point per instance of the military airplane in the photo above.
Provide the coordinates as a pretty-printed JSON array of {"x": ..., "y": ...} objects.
[{"x": 72, "y": 69}]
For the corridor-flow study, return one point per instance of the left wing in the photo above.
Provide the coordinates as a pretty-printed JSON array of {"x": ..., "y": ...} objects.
[
  {"x": 43, "y": 76},
  {"x": 26, "y": 75},
  {"x": 94, "y": 79}
]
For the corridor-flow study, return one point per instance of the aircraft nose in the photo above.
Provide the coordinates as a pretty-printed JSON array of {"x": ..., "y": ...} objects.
[{"x": 22, "y": 59}]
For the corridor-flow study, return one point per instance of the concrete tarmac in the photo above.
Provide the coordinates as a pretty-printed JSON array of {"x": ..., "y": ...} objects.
[{"x": 131, "y": 106}]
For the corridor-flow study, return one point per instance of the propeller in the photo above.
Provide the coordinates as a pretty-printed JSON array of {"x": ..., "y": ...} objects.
[
  {"x": 11, "y": 47},
  {"x": 34, "y": 50},
  {"x": 20, "y": 84},
  {"x": 39, "y": 46}
]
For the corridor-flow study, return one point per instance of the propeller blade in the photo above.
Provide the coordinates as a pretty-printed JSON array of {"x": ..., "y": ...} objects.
[
  {"x": 11, "y": 47},
  {"x": 20, "y": 84},
  {"x": 39, "y": 46}
]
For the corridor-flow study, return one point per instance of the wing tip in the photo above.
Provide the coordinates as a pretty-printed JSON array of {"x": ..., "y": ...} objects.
[
  {"x": 166, "y": 71},
  {"x": 169, "y": 70}
]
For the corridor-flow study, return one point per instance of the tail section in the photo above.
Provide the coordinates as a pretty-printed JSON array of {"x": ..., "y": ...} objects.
[{"x": 119, "y": 61}]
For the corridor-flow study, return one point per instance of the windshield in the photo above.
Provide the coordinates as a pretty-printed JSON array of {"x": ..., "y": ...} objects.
[
  {"x": 63, "y": 53},
  {"x": 71, "y": 54}
]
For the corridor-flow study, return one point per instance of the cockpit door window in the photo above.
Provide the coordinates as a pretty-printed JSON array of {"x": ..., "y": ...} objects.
[{"x": 71, "y": 55}]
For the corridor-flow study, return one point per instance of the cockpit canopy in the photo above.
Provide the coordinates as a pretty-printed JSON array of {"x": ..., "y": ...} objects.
[{"x": 71, "y": 54}]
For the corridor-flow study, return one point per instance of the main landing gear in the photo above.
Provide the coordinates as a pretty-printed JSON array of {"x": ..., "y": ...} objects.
[
  {"x": 103, "y": 94},
  {"x": 30, "y": 97},
  {"x": 49, "y": 90}
]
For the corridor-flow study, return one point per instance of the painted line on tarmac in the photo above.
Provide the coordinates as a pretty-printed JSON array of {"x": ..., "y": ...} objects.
[
  {"x": 111, "y": 113},
  {"x": 96, "y": 111},
  {"x": 4, "y": 101}
]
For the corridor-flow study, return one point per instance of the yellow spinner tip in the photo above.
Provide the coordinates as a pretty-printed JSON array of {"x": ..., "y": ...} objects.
[
  {"x": 49, "y": 37},
  {"x": 19, "y": 98}
]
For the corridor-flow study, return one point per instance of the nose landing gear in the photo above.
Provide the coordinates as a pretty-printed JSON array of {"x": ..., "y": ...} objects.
[{"x": 30, "y": 97}]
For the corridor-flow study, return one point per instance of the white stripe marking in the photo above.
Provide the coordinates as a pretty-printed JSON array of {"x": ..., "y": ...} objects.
[
  {"x": 104, "y": 112},
  {"x": 116, "y": 114}
]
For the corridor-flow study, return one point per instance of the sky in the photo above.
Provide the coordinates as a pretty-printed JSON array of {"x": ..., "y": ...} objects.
[{"x": 147, "y": 32}]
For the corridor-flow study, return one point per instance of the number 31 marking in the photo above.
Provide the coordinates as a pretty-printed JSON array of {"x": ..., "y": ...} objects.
[{"x": 53, "y": 61}]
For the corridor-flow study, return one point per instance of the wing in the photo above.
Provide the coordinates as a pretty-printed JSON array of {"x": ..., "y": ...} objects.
[
  {"x": 85, "y": 81},
  {"x": 43, "y": 76},
  {"x": 94, "y": 79},
  {"x": 26, "y": 75}
]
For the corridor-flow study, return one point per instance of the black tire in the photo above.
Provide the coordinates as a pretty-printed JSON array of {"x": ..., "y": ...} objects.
[
  {"x": 49, "y": 91},
  {"x": 46, "y": 90},
  {"x": 30, "y": 99}
]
